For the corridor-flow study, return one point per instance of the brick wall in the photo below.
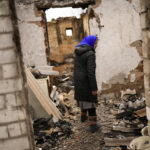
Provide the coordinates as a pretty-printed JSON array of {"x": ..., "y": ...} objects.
[
  {"x": 62, "y": 45},
  {"x": 15, "y": 125},
  {"x": 145, "y": 25}
]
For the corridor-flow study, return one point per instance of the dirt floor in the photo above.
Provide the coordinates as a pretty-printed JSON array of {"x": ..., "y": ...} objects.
[{"x": 82, "y": 138}]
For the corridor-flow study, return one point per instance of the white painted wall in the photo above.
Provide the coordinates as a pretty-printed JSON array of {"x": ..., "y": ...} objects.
[
  {"x": 32, "y": 35},
  {"x": 115, "y": 57}
]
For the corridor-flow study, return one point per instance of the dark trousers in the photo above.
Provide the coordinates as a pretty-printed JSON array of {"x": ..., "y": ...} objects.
[{"x": 91, "y": 112}]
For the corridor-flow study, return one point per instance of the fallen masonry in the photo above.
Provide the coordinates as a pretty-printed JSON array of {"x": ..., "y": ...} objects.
[{"x": 121, "y": 119}]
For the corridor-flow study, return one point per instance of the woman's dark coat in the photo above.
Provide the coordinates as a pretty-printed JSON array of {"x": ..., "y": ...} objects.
[{"x": 84, "y": 74}]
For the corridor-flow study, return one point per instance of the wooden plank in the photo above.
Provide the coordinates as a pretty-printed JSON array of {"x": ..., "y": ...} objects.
[
  {"x": 44, "y": 100},
  {"x": 141, "y": 112},
  {"x": 124, "y": 129},
  {"x": 118, "y": 142}
]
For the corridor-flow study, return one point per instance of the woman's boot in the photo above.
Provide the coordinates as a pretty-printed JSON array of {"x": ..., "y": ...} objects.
[{"x": 93, "y": 124}]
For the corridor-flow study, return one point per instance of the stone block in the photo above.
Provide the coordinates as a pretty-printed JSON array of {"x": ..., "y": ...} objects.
[
  {"x": 3, "y": 132},
  {"x": 7, "y": 56},
  {"x": 6, "y": 40},
  {"x": 9, "y": 71},
  {"x": 20, "y": 143},
  {"x": 146, "y": 67},
  {"x": 4, "y": 8},
  {"x": 2, "y": 102},
  {"x": 17, "y": 129},
  {"x": 147, "y": 96},
  {"x": 145, "y": 37},
  {"x": 147, "y": 82},
  {"x": 148, "y": 113},
  {"x": 6, "y": 24},
  {"x": 10, "y": 115},
  {"x": 13, "y": 99},
  {"x": 10, "y": 85},
  {"x": 145, "y": 51}
]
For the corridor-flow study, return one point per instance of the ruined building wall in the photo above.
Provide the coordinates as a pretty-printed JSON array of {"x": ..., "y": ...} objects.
[
  {"x": 62, "y": 45},
  {"x": 85, "y": 19},
  {"x": 119, "y": 52},
  {"x": 145, "y": 25},
  {"x": 32, "y": 31},
  {"x": 15, "y": 125}
]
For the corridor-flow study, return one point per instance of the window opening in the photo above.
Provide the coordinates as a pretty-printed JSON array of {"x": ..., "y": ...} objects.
[{"x": 68, "y": 31}]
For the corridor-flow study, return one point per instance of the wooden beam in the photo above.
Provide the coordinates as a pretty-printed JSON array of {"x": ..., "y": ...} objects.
[
  {"x": 124, "y": 129},
  {"x": 44, "y": 100}
]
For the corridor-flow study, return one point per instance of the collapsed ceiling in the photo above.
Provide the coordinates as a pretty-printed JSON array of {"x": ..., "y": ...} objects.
[{"x": 46, "y": 4}]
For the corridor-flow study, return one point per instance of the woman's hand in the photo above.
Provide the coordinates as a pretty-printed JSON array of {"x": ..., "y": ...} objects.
[{"x": 94, "y": 92}]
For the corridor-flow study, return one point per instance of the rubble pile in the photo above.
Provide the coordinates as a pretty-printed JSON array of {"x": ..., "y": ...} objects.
[
  {"x": 64, "y": 82},
  {"x": 124, "y": 119},
  {"x": 48, "y": 134}
]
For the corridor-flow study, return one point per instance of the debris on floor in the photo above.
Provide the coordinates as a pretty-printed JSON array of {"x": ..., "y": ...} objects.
[
  {"x": 47, "y": 133},
  {"x": 121, "y": 120},
  {"x": 124, "y": 119}
]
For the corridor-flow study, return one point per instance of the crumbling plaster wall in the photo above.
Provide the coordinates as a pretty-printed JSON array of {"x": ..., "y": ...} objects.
[
  {"x": 117, "y": 23},
  {"x": 31, "y": 27},
  {"x": 15, "y": 124}
]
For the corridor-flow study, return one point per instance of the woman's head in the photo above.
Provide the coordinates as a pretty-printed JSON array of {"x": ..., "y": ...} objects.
[{"x": 90, "y": 40}]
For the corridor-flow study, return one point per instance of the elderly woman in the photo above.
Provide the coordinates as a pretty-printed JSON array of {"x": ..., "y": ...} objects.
[{"x": 85, "y": 80}]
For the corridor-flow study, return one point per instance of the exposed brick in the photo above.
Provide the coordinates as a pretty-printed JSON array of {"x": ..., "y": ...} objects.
[
  {"x": 2, "y": 102},
  {"x": 10, "y": 85},
  {"x": 17, "y": 129},
  {"x": 3, "y": 132},
  {"x": 4, "y": 8},
  {"x": 5, "y": 24},
  {"x": 9, "y": 70},
  {"x": 10, "y": 115},
  {"x": 13, "y": 99},
  {"x": 6, "y": 40},
  {"x": 7, "y": 56},
  {"x": 21, "y": 143}
]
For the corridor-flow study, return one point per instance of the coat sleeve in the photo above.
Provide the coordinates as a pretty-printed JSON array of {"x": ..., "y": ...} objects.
[{"x": 91, "y": 66}]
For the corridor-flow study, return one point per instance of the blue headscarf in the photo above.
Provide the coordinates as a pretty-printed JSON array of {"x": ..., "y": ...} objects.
[{"x": 88, "y": 40}]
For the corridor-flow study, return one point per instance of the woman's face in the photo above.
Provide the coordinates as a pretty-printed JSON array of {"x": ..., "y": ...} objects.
[{"x": 96, "y": 42}]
